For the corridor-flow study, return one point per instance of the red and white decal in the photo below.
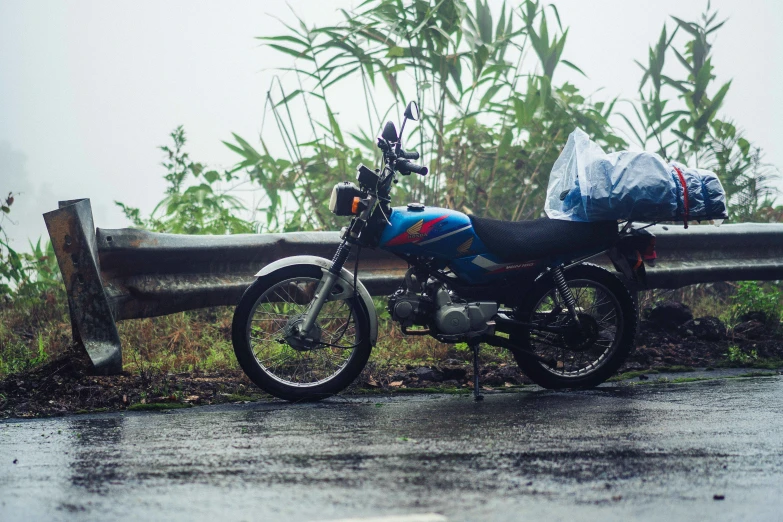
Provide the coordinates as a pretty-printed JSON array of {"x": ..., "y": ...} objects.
[{"x": 416, "y": 232}]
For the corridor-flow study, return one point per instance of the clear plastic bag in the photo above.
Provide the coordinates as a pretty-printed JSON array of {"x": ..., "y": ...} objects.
[{"x": 586, "y": 184}]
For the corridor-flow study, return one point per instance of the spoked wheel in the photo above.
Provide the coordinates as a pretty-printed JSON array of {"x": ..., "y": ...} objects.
[
  {"x": 579, "y": 354},
  {"x": 282, "y": 363}
]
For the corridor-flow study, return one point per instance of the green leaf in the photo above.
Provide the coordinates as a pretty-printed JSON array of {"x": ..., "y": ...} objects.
[
  {"x": 395, "y": 52},
  {"x": 211, "y": 176},
  {"x": 292, "y": 52},
  {"x": 574, "y": 67},
  {"x": 682, "y": 136},
  {"x": 713, "y": 107},
  {"x": 683, "y": 61},
  {"x": 234, "y": 148},
  {"x": 688, "y": 26},
  {"x": 505, "y": 143},
  {"x": 675, "y": 83},
  {"x": 343, "y": 75},
  {"x": 642, "y": 141},
  {"x": 283, "y": 38},
  {"x": 289, "y": 98},
  {"x": 716, "y": 27},
  {"x": 502, "y": 22},
  {"x": 489, "y": 94},
  {"x": 484, "y": 20},
  {"x": 334, "y": 126},
  {"x": 744, "y": 146}
]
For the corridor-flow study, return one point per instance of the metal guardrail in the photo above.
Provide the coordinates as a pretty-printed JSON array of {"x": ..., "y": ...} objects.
[{"x": 116, "y": 274}]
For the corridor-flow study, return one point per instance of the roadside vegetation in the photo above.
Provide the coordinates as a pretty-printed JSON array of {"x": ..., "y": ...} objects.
[{"x": 495, "y": 114}]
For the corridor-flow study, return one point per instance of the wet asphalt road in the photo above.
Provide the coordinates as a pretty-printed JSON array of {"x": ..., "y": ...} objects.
[{"x": 653, "y": 452}]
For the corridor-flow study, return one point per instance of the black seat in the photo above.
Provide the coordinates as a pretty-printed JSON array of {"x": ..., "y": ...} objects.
[{"x": 540, "y": 238}]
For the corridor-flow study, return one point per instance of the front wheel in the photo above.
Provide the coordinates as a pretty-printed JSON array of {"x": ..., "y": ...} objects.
[
  {"x": 280, "y": 362},
  {"x": 583, "y": 355}
]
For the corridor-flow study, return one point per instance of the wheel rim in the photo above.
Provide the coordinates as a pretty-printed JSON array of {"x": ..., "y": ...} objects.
[
  {"x": 592, "y": 298},
  {"x": 297, "y": 365}
]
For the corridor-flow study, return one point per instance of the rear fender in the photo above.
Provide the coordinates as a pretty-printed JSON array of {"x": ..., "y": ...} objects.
[
  {"x": 631, "y": 252},
  {"x": 346, "y": 280}
]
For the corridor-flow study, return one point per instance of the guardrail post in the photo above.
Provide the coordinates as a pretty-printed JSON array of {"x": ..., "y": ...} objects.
[{"x": 72, "y": 233}]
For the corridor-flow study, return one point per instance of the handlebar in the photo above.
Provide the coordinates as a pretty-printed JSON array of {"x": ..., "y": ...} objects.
[
  {"x": 406, "y": 167},
  {"x": 413, "y": 155}
]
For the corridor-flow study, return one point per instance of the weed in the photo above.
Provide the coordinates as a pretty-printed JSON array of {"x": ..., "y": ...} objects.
[
  {"x": 680, "y": 380},
  {"x": 675, "y": 369},
  {"x": 462, "y": 348},
  {"x": 758, "y": 374},
  {"x": 237, "y": 397},
  {"x": 755, "y": 297},
  {"x": 85, "y": 411},
  {"x": 158, "y": 406},
  {"x": 631, "y": 375},
  {"x": 764, "y": 364},
  {"x": 738, "y": 355}
]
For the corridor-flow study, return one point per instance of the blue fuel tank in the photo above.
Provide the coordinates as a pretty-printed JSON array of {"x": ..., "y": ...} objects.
[{"x": 448, "y": 237}]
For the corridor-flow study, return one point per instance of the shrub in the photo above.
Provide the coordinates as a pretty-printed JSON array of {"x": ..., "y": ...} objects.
[{"x": 754, "y": 297}]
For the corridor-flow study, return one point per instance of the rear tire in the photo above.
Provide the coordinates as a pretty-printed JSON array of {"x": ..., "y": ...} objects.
[
  {"x": 566, "y": 368},
  {"x": 273, "y": 311}
]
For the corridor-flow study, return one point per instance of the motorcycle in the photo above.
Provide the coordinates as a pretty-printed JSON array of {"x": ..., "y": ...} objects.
[{"x": 305, "y": 328}]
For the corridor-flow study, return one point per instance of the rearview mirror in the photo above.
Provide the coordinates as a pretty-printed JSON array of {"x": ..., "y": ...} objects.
[
  {"x": 390, "y": 132},
  {"x": 412, "y": 111}
]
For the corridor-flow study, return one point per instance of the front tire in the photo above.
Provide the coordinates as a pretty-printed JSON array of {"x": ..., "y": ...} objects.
[
  {"x": 567, "y": 363},
  {"x": 291, "y": 370}
]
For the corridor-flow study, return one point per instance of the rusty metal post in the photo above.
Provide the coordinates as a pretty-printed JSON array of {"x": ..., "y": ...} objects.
[{"x": 72, "y": 232}]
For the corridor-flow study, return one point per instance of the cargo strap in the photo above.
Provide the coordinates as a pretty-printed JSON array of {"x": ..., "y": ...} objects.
[{"x": 684, "y": 195}]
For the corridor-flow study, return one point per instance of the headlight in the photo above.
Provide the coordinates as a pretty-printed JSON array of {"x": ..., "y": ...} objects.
[{"x": 341, "y": 201}]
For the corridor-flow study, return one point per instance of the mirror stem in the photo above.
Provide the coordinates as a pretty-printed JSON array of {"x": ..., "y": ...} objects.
[{"x": 402, "y": 129}]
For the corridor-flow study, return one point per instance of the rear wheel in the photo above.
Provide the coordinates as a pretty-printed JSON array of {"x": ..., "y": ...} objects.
[
  {"x": 579, "y": 355},
  {"x": 280, "y": 362}
]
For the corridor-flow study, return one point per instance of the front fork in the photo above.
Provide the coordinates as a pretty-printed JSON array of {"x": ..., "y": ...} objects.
[{"x": 325, "y": 287}]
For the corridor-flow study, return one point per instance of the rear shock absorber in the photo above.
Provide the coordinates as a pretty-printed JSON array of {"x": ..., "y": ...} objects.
[{"x": 565, "y": 291}]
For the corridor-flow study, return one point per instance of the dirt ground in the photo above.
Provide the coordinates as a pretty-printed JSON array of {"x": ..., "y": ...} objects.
[{"x": 67, "y": 385}]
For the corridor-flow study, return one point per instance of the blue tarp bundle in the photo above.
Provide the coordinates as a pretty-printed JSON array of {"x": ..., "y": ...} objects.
[{"x": 586, "y": 184}]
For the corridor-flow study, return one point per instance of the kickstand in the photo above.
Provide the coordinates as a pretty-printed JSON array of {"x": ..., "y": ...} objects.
[{"x": 476, "y": 393}]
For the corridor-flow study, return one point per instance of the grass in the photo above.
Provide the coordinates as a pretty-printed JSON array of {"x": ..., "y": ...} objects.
[
  {"x": 758, "y": 374},
  {"x": 237, "y": 397},
  {"x": 680, "y": 380},
  {"x": 762, "y": 364},
  {"x": 631, "y": 375},
  {"x": 450, "y": 390},
  {"x": 34, "y": 332},
  {"x": 674, "y": 369},
  {"x": 684, "y": 380},
  {"x": 92, "y": 410},
  {"x": 158, "y": 406},
  {"x": 179, "y": 343}
]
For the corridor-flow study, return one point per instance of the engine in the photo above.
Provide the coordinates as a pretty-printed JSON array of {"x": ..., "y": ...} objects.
[{"x": 447, "y": 318}]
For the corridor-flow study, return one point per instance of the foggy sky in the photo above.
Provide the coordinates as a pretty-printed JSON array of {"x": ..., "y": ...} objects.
[{"x": 90, "y": 89}]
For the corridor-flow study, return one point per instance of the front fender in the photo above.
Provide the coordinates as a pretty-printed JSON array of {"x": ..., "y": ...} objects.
[{"x": 345, "y": 276}]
